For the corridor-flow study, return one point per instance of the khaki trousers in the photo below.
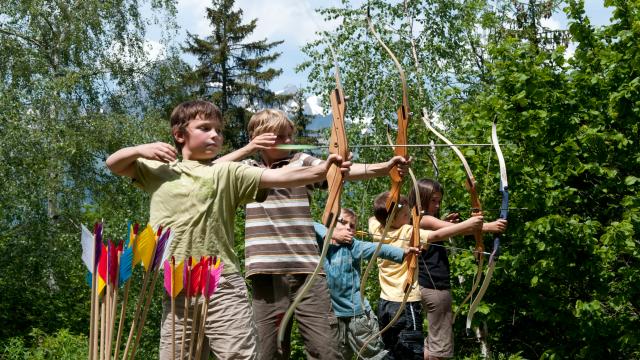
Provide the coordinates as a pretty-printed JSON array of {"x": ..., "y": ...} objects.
[
  {"x": 437, "y": 304},
  {"x": 229, "y": 330},
  {"x": 317, "y": 323}
]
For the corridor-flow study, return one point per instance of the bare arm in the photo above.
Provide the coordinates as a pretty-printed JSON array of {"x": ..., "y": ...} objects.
[
  {"x": 498, "y": 226},
  {"x": 289, "y": 177},
  {"x": 465, "y": 227},
  {"x": 433, "y": 223},
  {"x": 122, "y": 161},
  {"x": 367, "y": 171},
  {"x": 412, "y": 250},
  {"x": 260, "y": 142}
]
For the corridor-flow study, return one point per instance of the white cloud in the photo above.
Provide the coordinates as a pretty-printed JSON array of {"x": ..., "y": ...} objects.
[
  {"x": 294, "y": 21},
  {"x": 192, "y": 17},
  {"x": 550, "y": 23},
  {"x": 153, "y": 49},
  {"x": 570, "y": 51}
]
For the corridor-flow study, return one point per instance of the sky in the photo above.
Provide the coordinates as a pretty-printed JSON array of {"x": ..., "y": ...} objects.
[{"x": 296, "y": 22}]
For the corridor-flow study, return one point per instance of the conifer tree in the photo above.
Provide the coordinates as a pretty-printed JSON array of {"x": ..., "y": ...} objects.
[
  {"x": 301, "y": 120},
  {"x": 232, "y": 71}
]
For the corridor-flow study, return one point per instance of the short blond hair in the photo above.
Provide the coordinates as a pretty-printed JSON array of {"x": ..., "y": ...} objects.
[{"x": 268, "y": 121}]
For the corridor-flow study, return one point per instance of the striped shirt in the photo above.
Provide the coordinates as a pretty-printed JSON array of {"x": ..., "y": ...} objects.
[{"x": 279, "y": 233}]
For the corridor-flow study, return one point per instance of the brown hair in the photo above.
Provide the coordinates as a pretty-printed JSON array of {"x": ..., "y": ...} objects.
[
  {"x": 427, "y": 188},
  {"x": 380, "y": 207},
  {"x": 189, "y": 110},
  {"x": 268, "y": 121},
  {"x": 349, "y": 212}
]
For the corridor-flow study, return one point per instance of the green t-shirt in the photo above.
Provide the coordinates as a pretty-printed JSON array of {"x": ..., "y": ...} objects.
[{"x": 198, "y": 200}]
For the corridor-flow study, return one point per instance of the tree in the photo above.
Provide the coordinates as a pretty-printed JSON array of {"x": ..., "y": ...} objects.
[
  {"x": 68, "y": 70},
  {"x": 301, "y": 120},
  {"x": 566, "y": 282},
  {"x": 232, "y": 70}
]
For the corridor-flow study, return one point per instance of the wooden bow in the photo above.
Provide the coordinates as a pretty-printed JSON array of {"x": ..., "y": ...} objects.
[
  {"x": 504, "y": 211},
  {"x": 476, "y": 207},
  {"x": 335, "y": 180},
  {"x": 391, "y": 205},
  {"x": 402, "y": 150}
]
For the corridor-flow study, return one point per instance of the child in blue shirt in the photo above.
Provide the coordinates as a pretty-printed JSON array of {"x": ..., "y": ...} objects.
[{"x": 342, "y": 267}]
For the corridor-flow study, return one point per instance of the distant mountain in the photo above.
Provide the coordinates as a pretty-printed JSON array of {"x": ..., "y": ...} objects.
[{"x": 321, "y": 119}]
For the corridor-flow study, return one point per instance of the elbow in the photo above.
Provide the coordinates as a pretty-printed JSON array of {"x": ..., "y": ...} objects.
[
  {"x": 434, "y": 238},
  {"x": 111, "y": 164},
  {"x": 114, "y": 167}
]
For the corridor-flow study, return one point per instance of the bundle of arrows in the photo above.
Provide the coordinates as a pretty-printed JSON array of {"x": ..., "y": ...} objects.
[{"x": 113, "y": 264}]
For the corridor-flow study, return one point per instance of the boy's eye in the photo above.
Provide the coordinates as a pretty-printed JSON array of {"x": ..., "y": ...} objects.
[{"x": 346, "y": 223}]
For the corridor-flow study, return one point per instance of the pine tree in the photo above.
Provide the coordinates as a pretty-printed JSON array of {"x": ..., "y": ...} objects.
[
  {"x": 232, "y": 71},
  {"x": 301, "y": 120}
]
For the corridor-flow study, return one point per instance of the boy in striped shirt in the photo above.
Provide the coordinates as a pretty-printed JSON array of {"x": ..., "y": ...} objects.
[{"x": 280, "y": 243}]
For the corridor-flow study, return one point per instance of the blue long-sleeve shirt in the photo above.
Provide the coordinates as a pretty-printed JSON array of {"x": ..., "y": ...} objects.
[{"x": 342, "y": 267}]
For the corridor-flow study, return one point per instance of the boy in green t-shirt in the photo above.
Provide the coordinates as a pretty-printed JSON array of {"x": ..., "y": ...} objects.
[{"x": 197, "y": 198}]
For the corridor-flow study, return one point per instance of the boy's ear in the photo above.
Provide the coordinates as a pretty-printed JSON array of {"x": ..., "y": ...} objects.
[{"x": 178, "y": 135}]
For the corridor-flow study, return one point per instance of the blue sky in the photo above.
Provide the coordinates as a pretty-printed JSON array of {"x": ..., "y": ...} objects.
[{"x": 295, "y": 22}]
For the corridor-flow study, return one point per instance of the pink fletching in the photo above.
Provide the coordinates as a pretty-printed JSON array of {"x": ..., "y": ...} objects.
[
  {"x": 167, "y": 277},
  {"x": 214, "y": 277}
]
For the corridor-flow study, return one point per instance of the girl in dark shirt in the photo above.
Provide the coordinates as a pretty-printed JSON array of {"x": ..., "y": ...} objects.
[{"x": 434, "y": 272}]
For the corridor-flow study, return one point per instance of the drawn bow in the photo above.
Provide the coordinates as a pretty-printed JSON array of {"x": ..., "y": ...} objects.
[
  {"x": 504, "y": 211},
  {"x": 403, "y": 114},
  {"x": 476, "y": 207},
  {"x": 402, "y": 150},
  {"x": 335, "y": 180}
]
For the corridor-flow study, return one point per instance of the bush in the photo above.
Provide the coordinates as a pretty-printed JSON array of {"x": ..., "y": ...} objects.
[{"x": 60, "y": 346}]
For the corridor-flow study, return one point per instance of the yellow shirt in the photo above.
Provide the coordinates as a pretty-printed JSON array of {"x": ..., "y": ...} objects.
[
  {"x": 390, "y": 274},
  {"x": 198, "y": 201}
]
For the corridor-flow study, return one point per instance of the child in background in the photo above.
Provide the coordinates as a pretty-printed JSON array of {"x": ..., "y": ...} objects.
[
  {"x": 342, "y": 266},
  {"x": 434, "y": 273},
  {"x": 197, "y": 199},
  {"x": 404, "y": 340}
]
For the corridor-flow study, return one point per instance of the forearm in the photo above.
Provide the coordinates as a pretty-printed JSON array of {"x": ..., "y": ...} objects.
[
  {"x": 289, "y": 177},
  {"x": 367, "y": 171},
  {"x": 429, "y": 222},
  {"x": 122, "y": 161},
  {"x": 236, "y": 155},
  {"x": 449, "y": 231}
]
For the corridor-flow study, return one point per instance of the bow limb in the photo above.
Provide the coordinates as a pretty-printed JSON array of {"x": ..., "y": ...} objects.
[
  {"x": 504, "y": 210},
  {"x": 335, "y": 181},
  {"x": 412, "y": 265},
  {"x": 416, "y": 216},
  {"x": 401, "y": 139},
  {"x": 476, "y": 207}
]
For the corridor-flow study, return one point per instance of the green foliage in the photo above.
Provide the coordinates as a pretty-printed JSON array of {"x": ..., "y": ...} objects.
[
  {"x": 72, "y": 81},
  {"x": 566, "y": 282},
  {"x": 75, "y": 86},
  {"x": 62, "y": 345}
]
